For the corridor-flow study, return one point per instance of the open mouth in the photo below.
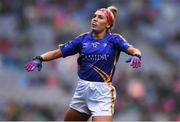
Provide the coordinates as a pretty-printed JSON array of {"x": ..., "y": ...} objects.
[{"x": 94, "y": 24}]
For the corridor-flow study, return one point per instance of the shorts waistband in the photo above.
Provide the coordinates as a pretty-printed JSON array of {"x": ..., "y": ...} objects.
[{"x": 94, "y": 82}]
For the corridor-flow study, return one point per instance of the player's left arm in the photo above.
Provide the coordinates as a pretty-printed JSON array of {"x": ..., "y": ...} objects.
[
  {"x": 123, "y": 45},
  {"x": 135, "y": 60},
  {"x": 131, "y": 50}
]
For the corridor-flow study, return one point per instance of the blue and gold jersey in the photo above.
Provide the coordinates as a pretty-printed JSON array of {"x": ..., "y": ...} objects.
[{"x": 97, "y": 57}]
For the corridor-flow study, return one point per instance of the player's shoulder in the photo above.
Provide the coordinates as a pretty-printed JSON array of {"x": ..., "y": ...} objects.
[
  {"x": 118, "y": 36},
  {"x": 83, "y": 34}
]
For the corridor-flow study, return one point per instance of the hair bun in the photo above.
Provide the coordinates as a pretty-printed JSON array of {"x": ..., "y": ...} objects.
[{"x": 114, "y": 10}]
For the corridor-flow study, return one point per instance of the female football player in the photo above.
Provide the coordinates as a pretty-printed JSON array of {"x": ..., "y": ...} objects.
[{"x": 99, "y": 52}]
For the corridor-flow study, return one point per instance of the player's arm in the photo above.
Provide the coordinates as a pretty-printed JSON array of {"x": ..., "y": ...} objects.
[
  {"x": 51, "y": 55},
  {"x": 135, "y": 60},
  {"x": 123, "y": 45},
  {"x": 133, "y": 51},
  {"x": 70, "y": 48},
  {"x": 37, "y": 61}
]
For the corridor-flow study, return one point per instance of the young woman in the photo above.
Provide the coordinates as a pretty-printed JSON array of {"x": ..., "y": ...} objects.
[{"x": 99, "y": 51}]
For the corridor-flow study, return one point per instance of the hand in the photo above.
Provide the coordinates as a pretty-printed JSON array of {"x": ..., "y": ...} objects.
[
  {"x": 35, "y": 63},
  {"x": 135, "y": 61}
]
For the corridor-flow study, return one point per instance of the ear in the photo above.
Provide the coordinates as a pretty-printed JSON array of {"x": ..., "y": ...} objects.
[{"x": 107, "y": 26}]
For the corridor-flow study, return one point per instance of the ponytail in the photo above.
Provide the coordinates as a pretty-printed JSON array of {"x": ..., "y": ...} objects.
[{"x": 113, "y": 10}]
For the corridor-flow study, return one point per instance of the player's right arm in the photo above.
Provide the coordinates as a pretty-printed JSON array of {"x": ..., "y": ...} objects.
[
  {"x": 70, "y": 48},
  {"x": 37, "y": 61},
  {"x": 51, "y": 55}
]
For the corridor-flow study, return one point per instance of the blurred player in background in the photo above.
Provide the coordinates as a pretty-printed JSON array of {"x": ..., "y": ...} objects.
[{"x": 99, "y": 51}]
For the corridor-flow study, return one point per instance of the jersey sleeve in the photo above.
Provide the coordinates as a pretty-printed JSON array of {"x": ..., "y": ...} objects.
[
  {"x": 120, "y": 42},
  {"x": 71, "y": 47}
]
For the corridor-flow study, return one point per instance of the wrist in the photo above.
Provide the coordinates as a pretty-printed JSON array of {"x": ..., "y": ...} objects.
[
  {"x": 137, "y": 55},
  {"x": 38, "y": 58}
]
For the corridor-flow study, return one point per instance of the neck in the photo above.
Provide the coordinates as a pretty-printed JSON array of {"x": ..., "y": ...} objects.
[{"x": 99, "y": 35}]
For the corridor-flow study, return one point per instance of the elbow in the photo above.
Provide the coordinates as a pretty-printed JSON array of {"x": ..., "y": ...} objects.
[{"x": 57, "y": 53}]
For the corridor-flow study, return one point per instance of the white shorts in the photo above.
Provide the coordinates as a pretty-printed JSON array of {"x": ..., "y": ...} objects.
[{"x": 94, "y": 98}]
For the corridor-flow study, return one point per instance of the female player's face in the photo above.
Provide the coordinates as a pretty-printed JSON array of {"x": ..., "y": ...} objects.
[{"x": 99, "y": 22}]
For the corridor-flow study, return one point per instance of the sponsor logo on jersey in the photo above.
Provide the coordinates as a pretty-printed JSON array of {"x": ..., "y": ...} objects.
[{"x": 95, "y": 57}]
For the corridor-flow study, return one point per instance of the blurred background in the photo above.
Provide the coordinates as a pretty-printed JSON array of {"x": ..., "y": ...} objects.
[{"x": 32, "y": 27}]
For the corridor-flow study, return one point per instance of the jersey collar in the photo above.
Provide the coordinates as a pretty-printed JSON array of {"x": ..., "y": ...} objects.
[{"x": 107, "y": 35}]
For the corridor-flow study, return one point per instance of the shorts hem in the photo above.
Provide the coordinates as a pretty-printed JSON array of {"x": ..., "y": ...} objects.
[
  {"x": 78, "y": 110},
  {"x": 102, "y": 115}
]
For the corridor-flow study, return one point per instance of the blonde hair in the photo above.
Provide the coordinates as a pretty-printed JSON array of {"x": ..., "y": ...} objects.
[{"x": 113, "y": 10}]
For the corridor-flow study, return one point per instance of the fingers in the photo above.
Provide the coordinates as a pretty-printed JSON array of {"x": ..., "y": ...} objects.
[
  {"x": 135, "y": 62},
  {"x": 139, "y": 64},
  {"x": 30, "y": 66}
]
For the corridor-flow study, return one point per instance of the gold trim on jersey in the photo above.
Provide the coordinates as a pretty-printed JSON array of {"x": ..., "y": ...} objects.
[
  {"x": 115, "y": 60},
  {"x": 121, "y": 37},
  {"x": 83, "y": 34},
  {"x": 60, "y": 44},
  {"x": 103, "y": 74}
]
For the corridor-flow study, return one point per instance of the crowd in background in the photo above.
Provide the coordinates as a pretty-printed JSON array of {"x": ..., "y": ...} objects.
[{"x": 31, "y": 27}]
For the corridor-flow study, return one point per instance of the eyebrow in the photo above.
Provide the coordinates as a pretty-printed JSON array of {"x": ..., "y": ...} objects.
[{"x": 98, "y": 15}]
